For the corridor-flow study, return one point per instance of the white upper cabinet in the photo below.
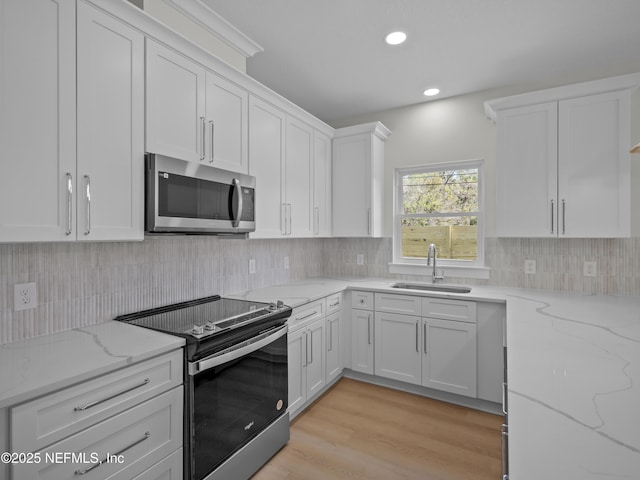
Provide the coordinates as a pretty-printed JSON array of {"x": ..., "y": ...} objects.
[
  {"x": 358, "y": 180},
  {"x": 298, "y": 189},
  {"x": 175, "y": 91},
  {"x": 194, "y": 114},
  {"x": 594, "y": 195},
  {"x": 75, "y": 167},
  {"x": 37, "y": 120},
  {"x": 227, "y": 127},
  {"x": 527, "y": 171},
  {"x": 267, "y": 126},
  {"x": 563, "y": 166},
  {"x": 321, "y": 215},
  {"x": 110, "y": 170}
]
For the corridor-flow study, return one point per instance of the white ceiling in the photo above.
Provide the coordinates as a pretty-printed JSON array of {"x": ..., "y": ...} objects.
[{"x": 329, "y": 56}]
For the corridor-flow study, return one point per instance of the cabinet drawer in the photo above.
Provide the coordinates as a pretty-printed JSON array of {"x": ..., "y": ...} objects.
[
  {"x": 334, "y": 303},
  {"x": 306, "y": 314},
  {"x": 171, "y": 468},
  {"x": 402, "y": 304},
  {"x": 459, "y": 310},
  {"x": 362, "y": 300},
  {"x": 48, "y": 419},
  {"x": 135, "y": 440}
]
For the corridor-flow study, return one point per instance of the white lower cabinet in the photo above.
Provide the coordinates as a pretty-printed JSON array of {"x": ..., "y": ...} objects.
[
  {"x": 128, "y": 425},
  {"x": 306, "y": 359},
  {"x": 334, "y": 345},
  {"x": 449, "y": 356},
  {"x": 431, "y": 343},
  {"x": 397, "y": 349},
  {"x": 362, "y": 336},
  {"x": 119, "y": 426}
]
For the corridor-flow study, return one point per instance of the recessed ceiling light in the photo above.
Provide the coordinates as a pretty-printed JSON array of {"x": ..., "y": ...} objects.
[
  {"x": 431, "y": 92},
  {"x": 396, "y": 38}
]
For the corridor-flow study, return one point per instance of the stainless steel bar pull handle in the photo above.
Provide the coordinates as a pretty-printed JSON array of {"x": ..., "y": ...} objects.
[
  {"x": 87, "y": 229},
  {"x": 117, "y": 454},
  {"x": 98, "y": 402},
  {"x": 330, "y": 336},
  {"x": 417, "y": 335},
  {"x": 202, "y": 137},
  {"x": 552, "y": 215},
  {"x": 425, "y": 337},
  {"x": 315, "y": 312},
  {"x": 564, "y": 216},
  {"x": 369, "y": 221},
  {"x": 369, "y": 328},
  {"x": 504, "y": 435},
  {"x": 211, "y": 141},
  {"x": 69, "y": 204}
]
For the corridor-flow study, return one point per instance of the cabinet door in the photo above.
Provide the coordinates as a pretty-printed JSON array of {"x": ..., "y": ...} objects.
[
  {"x": 449, "y": 356},
  {"x": 266, "y": 151},
  {"x": 333, "y": 357},
  {"x": 321, "y": 185},
  {"x": 362, "y": 341},
  {"x": 352, "y": 186},
  {"x": 175, "y": 104},
  {"x": 526, "y": 171},
  {"x": 298, "y": 188},
  {"x": 593, "y": 169},
  {"x": 37, "y": 120},
  {"x": 227, "y": 126},
  {"x": 316, "y": 368},
  {"x": 297, "y": 350},
  {"x": 110, "y": 155},
  {"x": 397, "y": 347}
]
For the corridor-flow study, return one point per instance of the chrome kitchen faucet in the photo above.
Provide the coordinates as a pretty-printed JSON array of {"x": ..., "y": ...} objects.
[{"x": 433, "y": 252}]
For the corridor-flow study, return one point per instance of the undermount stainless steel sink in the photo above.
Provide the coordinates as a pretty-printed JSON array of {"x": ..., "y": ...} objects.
[{"x": 431, "y": 287}]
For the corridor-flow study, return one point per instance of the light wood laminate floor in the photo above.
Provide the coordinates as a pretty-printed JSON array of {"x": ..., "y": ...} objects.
[{"x": 363, "y": 431}]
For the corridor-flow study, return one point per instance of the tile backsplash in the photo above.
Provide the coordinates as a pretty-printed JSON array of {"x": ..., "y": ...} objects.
[{"x": 87, "y": 283}]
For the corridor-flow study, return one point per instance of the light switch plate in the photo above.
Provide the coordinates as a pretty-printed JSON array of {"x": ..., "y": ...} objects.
[
  {"x": 252, "y": 265},
  {"x": 286, "y": 263},
  {"x": 360, "y": 259}
]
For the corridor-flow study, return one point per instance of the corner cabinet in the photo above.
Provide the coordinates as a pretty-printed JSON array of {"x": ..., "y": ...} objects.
[
  {"x": 83, "y": 177},
  {"x": 358, "y": 180},
  {"x": 563, "y": 167}
]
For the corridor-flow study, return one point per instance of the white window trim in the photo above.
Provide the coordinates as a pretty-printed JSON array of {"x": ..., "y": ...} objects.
[{"x": 453, "y": 268}]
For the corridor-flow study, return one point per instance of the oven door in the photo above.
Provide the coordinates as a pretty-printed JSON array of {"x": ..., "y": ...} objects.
[
  {"x": 189, "y": 197},
  {"x": 236, "y": 394}
]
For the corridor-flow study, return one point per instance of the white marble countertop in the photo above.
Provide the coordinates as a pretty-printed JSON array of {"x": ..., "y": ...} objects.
[
  {"x": 39, "y": 365},
  {"x": 573, "y": 375}
]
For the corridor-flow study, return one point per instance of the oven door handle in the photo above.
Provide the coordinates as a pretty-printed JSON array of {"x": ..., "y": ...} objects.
[{"x": 237, "y": 351}]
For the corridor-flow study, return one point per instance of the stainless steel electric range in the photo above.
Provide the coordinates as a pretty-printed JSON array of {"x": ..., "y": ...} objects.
[{"x": 236, "y": 385}]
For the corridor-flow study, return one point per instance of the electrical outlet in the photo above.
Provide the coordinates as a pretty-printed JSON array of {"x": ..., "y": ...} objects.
[
  {"x": 360, "y": 259},
  {"x": 590, "y": 269},
  {"x": 252, "y": 265},
  {"x": 286, "y": 263},
  {"x": 25, "y": 296},
  {"x": 530, "y": 267}
]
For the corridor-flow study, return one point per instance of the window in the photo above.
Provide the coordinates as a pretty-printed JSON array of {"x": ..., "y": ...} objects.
[{"x": 440, "y": 204}]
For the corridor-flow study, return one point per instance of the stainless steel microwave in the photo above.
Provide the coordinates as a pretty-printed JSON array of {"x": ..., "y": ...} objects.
[{"x": 192, "y": 198}]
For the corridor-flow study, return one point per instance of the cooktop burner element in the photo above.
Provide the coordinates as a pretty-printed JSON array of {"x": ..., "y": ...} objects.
[{"x": 207, "y": 322}]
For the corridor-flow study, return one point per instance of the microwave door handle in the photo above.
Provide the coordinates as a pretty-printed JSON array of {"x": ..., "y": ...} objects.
[{"x": 236, "y": 207}]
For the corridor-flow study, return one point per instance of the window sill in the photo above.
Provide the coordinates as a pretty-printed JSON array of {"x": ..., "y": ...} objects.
[{"x": 455, "y": 271}]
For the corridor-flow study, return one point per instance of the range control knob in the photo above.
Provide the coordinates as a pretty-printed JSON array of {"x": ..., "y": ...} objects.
[
  {"x": 197, "y": 330},
  {"x": 209, "y": 326},
  {"x": 272, "y": 306},
  {"x": 280, "y": 304}
]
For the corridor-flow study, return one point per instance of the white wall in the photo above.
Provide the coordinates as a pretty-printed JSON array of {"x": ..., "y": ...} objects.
[{"x": 456, "y": 129}]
